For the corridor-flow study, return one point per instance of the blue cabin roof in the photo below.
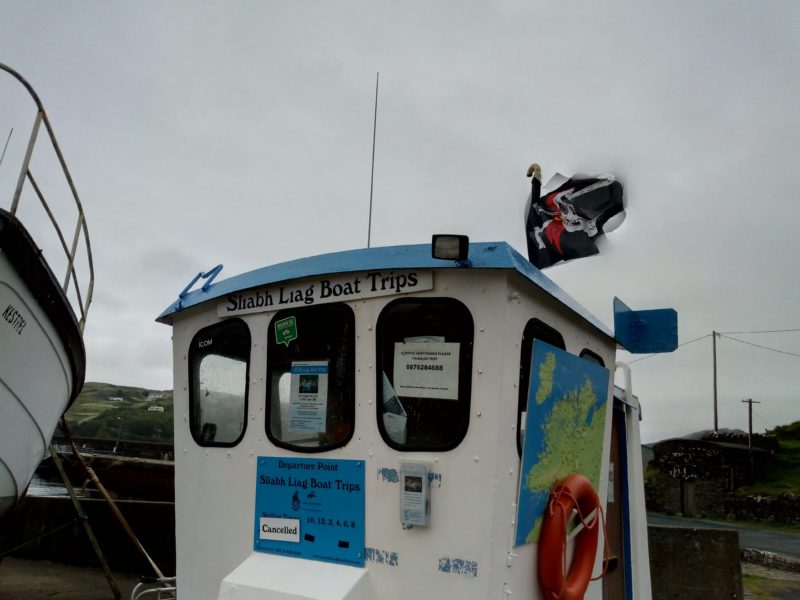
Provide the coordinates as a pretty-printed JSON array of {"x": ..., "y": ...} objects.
[{"x": 482, "y": 255}]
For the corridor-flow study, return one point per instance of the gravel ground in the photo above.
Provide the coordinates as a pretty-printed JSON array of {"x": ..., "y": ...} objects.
[
  {"x": 36, "y": 579},
  {"x": 762, "y": 583}
]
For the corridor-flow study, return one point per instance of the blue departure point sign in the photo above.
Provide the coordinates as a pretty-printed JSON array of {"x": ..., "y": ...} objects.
[{"x": 310, "y": 508}]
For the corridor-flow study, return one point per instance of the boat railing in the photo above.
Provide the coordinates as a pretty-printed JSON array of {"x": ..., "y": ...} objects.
[
  {"x": 80, "y": 235},
  {"x": 157, "y": 588}
]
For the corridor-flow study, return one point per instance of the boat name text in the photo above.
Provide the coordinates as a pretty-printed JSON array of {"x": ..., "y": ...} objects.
[
  {"x": 13, "y": 317},
  {"x": 322, "y": 291}
]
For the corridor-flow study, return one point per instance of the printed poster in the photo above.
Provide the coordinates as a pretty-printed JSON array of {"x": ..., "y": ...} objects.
[
  {"x": 308, "y": 397},
  {"x": 310, "y": 508},
  {"x": 426, "y": 369}
]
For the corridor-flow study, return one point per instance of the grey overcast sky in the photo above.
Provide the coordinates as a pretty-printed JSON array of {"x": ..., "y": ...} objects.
[{"x": 241, "y": 133}]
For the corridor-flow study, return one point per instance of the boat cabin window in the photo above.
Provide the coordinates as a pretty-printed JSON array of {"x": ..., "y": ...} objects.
[
  {"x": 219, "y": 359},
  {"x": 424, "y": 369},
  {"x": 311, "y": 375},
  {"x": 534, "y": 330},
  {"x": 587, "y": 354}
]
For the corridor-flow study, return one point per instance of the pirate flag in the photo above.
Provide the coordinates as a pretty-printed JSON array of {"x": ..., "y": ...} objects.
[{"x": 563, "y": 220}]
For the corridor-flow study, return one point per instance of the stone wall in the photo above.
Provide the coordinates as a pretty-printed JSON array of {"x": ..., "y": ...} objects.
[
  {"x": 696, "y": 498},
  {"x": 697, "y": 477},
  {"x": 783, "y": 508}
]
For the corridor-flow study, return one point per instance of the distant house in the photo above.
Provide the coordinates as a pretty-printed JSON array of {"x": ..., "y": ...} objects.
[
  {"x": 115, "y": 399},
  {"x": 155, "y": 409},
  {"x": 154, "y": 396}
]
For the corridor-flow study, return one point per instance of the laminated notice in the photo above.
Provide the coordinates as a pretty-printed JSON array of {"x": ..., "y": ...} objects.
[
  {"x": 308, "y": 397},
  {"x": 426, "y": 369}
]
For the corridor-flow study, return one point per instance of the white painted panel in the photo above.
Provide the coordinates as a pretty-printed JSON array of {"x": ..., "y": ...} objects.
[
  {"x": 35, "y": 379},
  {"x": 466, "y": 552},
  {"x": 270, "y": 577},
  {"x": 20, "y": 443},
  {"x": 34, "y": 363}
]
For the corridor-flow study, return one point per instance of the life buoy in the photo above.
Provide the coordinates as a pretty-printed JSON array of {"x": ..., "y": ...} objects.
[{"x": 574, "y": 491}]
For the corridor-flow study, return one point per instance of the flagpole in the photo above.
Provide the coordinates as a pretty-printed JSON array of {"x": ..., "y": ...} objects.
[{"x": 535, "y": 173}]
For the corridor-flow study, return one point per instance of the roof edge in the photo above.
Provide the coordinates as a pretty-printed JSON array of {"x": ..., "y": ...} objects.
[{"x": 482, "y": 255}]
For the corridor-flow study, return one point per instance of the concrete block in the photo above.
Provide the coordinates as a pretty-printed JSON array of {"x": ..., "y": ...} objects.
[{"x": 694, "y": 564}]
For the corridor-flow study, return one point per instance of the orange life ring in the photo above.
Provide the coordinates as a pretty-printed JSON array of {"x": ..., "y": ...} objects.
[{"x": 574, "y": 491}]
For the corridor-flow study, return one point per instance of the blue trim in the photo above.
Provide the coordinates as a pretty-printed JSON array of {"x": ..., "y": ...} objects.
[
  {"x": 209, "y": 276},
  {"x": 483, "y": 255},
  {"x": 645, "y": 331},
  {"x": 622, "y": 437}
]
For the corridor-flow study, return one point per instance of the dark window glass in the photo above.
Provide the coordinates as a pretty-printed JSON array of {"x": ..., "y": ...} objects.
[
  {"x": 424, "y": 369},
  {"x": 534, "y": 330},
  {"x": 219, "y": 359},
  {"x": 311, "y": 375},
  {"x": 592, "y": 357}
]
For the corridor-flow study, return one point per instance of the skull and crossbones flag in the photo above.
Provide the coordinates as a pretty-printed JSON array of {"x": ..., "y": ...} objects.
[{"x": 564, "y": 218}]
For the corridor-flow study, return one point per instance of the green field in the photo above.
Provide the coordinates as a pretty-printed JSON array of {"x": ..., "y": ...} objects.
[{"x": 109, "y": 411}]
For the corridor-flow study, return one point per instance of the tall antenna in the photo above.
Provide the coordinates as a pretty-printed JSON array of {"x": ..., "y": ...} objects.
[
  {"x": 3, "y": 155},
  {"x": 372, "y": 173}
]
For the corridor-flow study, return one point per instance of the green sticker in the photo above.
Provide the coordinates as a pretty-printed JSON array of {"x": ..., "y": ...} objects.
[{"x": 285, "y": 330}]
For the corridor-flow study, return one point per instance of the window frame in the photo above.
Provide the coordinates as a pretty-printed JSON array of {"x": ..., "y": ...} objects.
[
  {"x": 464, "y": 379},
  {"x": 591, "y": 356},
  {"x": 193, "y": 351},
  {"x": 536, "y": 330},
  {"x": 350, "y": 379}
]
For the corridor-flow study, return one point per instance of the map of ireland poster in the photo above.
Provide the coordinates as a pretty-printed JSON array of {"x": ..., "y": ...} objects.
[{"x": 564, "y": 430}]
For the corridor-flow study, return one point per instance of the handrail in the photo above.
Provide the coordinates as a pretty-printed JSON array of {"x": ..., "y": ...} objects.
[{"x": 80, "y": 226}]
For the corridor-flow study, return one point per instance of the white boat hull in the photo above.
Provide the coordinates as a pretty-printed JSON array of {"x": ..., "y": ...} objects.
[
  {"x": 42, "y": 356},
  {"x": 35, "y": 384}
]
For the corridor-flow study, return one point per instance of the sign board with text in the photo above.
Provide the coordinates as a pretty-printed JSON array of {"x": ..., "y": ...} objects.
[
  {"x": 338, "y": 288},
  {"x": 426, "y": 369},
  {"x": 310, "y": 508}
]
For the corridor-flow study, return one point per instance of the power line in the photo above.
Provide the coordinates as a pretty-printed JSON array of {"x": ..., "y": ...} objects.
[
  {"x": 764, "y": 331},
  {"x": 679, "y": 346},
  {"x": 763, "y": 420},
  {"x": 720, "y": 333},
  {"x": 757, "y": 346}
]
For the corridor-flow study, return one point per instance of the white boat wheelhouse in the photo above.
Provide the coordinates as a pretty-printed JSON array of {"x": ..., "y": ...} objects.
[{"x": 350, "y": 426}]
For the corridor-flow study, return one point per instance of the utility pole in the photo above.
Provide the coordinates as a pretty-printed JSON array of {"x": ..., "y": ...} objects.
[
  {"x": 714, "y": 338},
  {"x": 750, "y": 402}
]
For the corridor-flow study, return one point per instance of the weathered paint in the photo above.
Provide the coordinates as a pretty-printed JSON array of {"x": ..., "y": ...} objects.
[
  {"x": 458, "y": 566},
  {"x": 388, "y": 475},
  {"x": 382, "y": 557},
  {"x": 392, "y": 476}
]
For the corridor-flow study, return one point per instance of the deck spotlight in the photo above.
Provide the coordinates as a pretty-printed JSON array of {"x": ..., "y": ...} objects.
[{"x": 450, "y": 247}]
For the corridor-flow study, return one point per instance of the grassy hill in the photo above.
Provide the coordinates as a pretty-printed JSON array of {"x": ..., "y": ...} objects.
[
  {"x": 109, "y": 411},
  {"x": 782, "y": 473}
]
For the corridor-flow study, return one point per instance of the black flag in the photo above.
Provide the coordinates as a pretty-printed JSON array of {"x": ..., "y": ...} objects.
[{"x": 563, "y": 222}]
